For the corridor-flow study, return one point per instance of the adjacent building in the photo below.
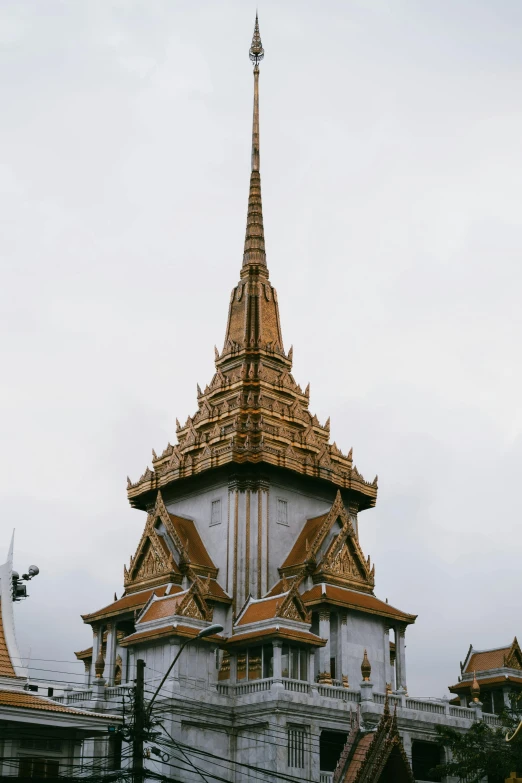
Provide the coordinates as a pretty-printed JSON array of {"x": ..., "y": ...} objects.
[{"x": 40, "y": 738}]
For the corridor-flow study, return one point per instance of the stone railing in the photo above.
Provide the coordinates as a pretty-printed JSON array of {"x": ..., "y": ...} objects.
[
  {"x": 296, "y": 686},
  {"x": 491, "y": 720},
  {"x": 70, "y": 697},
  {"x": 425, "y": 706},
  {"x": 336, "y": 692},
  {"x": 325, "y": 777},
  {"x": 462, "y": 712},
  {"x": 393, "y": 701}
]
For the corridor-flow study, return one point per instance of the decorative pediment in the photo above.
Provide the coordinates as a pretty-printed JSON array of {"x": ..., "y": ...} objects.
[
  {"x": 194, "y": 605},
  {"x": 293, "y": 608},
  {"x": 513, "y": 659},
  {"x": 151, "y": 561},
  {"x": 328, "y": 549},
  {"x": 344, "y": 562}
]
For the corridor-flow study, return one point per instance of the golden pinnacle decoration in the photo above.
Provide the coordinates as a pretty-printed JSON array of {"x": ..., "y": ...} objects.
[
  {"x": 256, "y": 52},
  {"x": 99, "y": 666},
  {"x": 475, "y": 689},
  {"x": 366, "y": 668}
]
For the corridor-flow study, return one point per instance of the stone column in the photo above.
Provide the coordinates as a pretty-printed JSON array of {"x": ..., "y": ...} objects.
[
  {"x": 387, "y": 664},
  {"x": 174, "y": 645},
  {"x": 325, "y": 676},
  {"x": 278, "y": 672},
  {"x": 233, "y": 668},
  {"x": 110, "y": 655},
  {"x": 343, "y": 658},
  {"x": 97, "y": 637},
  {"x": 311, "y": 666},
  {"x": 400, "y": 657}
]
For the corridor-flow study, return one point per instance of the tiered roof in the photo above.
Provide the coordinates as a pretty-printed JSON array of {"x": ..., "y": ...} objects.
[
  {"x": 492, "y": 668},
  {"x": 253, "y": 410}
]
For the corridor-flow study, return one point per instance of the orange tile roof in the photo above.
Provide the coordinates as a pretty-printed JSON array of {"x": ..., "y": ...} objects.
[
  {"x": 126, "y": 603},
  {"x": 161, "y": 633},
  {"x": 298, "y": 553},
  {"x": 285, "y": 633},
  {"x": 362, "y": 602},
  {"x": 6, "y": 665},
  {"x": 187, "y": 531},
  {"x": 165, "y": 607},
  {"x": 280, "y": 587},
  {"x": 501, "y": 679},
  {"x": 358, "y": 757},
  {"x": 20, "y": 698},
  {"x": 262, "y": 610},
  {"x": 488, "y": 659},
  {"x": 216, "y": 591}
]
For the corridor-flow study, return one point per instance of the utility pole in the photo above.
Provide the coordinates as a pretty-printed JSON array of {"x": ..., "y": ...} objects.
[{"x": 139, "y": 723}]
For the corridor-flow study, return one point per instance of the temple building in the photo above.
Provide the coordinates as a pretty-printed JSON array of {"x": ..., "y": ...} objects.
[
  {"x": 40, "y": 738},
  {"x": 496, "y": 672},
  {"x": 251, "y": 522}
]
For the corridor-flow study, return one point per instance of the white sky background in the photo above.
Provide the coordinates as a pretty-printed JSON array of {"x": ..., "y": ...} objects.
[{"x": 391, "y": 170}]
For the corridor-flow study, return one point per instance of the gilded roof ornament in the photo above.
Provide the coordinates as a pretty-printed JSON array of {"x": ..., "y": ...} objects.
[
  {"x": 366, "y": 668},
  {"x": 256, "y": 52},
  {"x": 475, "y": 689}
]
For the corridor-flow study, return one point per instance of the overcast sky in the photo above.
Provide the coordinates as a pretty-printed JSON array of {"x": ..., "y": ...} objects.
[{"x": 391, "y": 169}]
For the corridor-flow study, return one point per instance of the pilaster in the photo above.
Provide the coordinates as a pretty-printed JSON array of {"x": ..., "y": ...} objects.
[
  {"x": 343, "y": 658},
  {"x": 110, "y": 655},
  {"x": 325, "y": 676}
]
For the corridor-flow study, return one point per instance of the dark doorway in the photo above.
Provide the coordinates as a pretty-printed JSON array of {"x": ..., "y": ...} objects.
[
  {"x": 425, "y": 756},
  {"x": 331, "y": 746}
]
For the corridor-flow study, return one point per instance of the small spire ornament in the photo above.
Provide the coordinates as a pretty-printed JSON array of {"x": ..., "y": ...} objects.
[
  {"x": 366, "y": 668},
  {"x": 99, "y": 665},
  {"x": 256, "y": 52},
  {"x": 475, "y": 689}
]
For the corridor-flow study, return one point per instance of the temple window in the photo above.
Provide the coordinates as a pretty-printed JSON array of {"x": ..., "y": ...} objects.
[
  {"x": 255, "y": 663},
  {"x": 215, "y": 512},
  {"x": 282, "y": 512},
  {"x": 331, "y": 745},
  {"x": 296, "y": 753},
  {"x": 425, "y": 756},
  {"x": 37, "y": 768},
  {"x": 294, "y": 663}
]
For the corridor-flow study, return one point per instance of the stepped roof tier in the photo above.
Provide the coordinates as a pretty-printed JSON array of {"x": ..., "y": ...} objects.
[
  {"x": 253, "y": 411},
  {"x": 495, "y": 668}
]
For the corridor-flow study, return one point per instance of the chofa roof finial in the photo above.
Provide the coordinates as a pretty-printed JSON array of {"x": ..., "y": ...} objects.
[{"x": 256, "y": 52}]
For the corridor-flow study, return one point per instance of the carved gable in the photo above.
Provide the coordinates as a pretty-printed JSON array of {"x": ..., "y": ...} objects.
[
  {"x": 514, "y": 656},
  {"x": 194, "y": 605},
  {"x": 293, "y": 607}
]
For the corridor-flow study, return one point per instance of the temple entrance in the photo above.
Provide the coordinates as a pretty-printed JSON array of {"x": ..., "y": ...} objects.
[
  {"x": 331, "y": 745},
  {"x": 425, "y": 756}
]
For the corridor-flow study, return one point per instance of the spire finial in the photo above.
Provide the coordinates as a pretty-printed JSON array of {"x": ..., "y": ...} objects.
[
  {"x": 256, "y": 52},
  {"x": 254, "y": 252},
  {"x": 475, "y": 689}
]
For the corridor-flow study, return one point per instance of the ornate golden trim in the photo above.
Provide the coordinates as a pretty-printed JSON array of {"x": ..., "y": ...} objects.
[
  {"x": 259, "y": 540},
  {"x": 228, "y": 538},
  {"x": 247, "y": 544},
  {"x": 267, "y": 538},
  {"x": 236, "y": 528}
]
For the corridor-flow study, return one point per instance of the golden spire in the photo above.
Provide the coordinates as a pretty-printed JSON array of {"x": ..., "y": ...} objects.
[
  {"x": 366, "y": 668},
  {"x": 255, "y": 237},
  {"x": 475, "y": 689}
]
